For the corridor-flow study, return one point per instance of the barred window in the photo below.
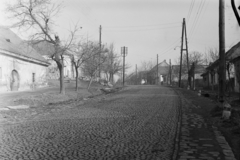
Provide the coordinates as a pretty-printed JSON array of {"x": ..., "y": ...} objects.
[{"x": 33, "y": 77}]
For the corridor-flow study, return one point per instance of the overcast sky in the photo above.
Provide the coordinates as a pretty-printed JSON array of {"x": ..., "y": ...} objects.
[{"x": 147, "y": 27}]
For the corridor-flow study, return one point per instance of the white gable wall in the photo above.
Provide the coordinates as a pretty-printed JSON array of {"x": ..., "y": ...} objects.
[{"x": 25, "y": 71}]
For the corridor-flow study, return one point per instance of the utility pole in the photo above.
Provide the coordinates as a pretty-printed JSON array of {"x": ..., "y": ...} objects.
[
  {"x": 193, "y": 68},
  {"x": 124, "y": 52},
  {"x": 186, "y": 43},
  {"x": 184, "y": 29},
  {"x": 180, "y": 72},
  {"x": 170, "y": 72},
  {"x": 100, "y": 50},
  {"x": 136, "y": 74},
  {"x": 157, "y": 70},
  {"x": 222, "y": 68}
]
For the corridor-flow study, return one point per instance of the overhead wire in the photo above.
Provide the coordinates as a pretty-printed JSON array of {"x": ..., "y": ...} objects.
[
  {"x": 203, "y": 6},
  {"x": 160, "y": 24},
  {"x": 190, "y": 10},
  {"x": 171, "y": 47},
  {"x": 196, "y": 17},
  {"x": 143, "y": 29},
  {"x": 199, "y": 11}
]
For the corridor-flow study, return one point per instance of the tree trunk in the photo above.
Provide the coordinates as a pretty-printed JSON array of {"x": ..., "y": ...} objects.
[
  {"x": 61, "y": 78},
  {"x": 107, "y": 76},
  {"x": 111, "y": 78},
  {"x": 90, "y": 82},
  {"x": 76, "y": 68}
]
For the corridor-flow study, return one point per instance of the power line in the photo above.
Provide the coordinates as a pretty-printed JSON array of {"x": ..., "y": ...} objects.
[
  {"x": 166, "y": 48},
  {"x": 147, "y": 29},
  {"x": 190, "y": 10},
  {"x": 113, "y": 27},
  {"x": 201, "y": 15},
  {"x": 197, "y": 16},
  {"x": 170, "y": 48}
]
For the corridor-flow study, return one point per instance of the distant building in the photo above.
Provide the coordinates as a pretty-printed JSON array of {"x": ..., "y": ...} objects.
[
  {"x": 159, "y": 74},
  {"x": 21, "y": 67}
]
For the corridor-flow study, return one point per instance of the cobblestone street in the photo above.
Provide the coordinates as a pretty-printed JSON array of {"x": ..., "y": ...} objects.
[{"x": 136, "y": 123}]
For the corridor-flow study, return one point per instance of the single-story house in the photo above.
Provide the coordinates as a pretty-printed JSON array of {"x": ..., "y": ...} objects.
[
  {"x": 21, "y": 66},
  {"x": 196, "y": 80},
  {"x": 211, "y": 77},
  {"x": 233, "y": 56},
  {"x": 160, "y": 73}
]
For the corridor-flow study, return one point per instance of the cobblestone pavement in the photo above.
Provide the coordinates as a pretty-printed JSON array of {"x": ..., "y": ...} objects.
[
  {"x": 136, "y": 123},
  {"x": 199, "y": 140}
]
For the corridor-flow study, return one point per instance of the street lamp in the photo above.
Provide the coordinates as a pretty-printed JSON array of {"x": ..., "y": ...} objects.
[
  {"x": 176, "y": 47},
  {"x": 124, "y": 52}
]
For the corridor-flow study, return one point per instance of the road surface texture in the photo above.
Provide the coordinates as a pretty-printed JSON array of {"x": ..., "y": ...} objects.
[
  {"x": 135, "y": 123},
  {"x": 139, "y": 122}
]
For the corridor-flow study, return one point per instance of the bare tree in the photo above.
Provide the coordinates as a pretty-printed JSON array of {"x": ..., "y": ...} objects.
[
  {"x": 194, "y": 57},
  {"x": 81, "y": 54},
  {"x": 144, "y": 68},
  {"x": 112, "y": 65},
  {"x": 36, "y": 17},
  {"x": 211, "y": 56},
  {"x": 146, "y": 65},
  {"x": 91, "y": 65}
]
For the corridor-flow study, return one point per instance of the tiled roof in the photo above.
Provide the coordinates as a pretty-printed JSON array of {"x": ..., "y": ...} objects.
[
  {"x": 46, "y": 49},
  {"x": 231, "y": 54},
  {"x": 234, "y": 52},
  {"x": 163, "y": 68},
  {"x": 10, "y": 42}
]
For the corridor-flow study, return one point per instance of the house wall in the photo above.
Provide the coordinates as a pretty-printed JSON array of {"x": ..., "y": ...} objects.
[{"x": 25, "y": 71}]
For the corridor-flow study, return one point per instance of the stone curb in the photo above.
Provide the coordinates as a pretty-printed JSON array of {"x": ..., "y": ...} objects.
[{"x": 177, "y": 136}]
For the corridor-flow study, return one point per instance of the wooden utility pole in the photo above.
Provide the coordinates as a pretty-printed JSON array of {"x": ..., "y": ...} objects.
[
  {"x": 180, "y": 72},
  {"x": 124, "y": 52},
  {"x": 186, "y": 43},
  {"x": 170, "y": 72},
  {"x": 136, "y": 74},
  {"x": 100, "y": 50},
  {"x": 184, "y": 29},
  {"x": 157, "y": 70},
  {"x": 222, "y": 64}
]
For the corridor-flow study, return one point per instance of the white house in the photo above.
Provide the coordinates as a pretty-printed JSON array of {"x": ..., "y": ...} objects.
[{"x": 21, "y": 67}]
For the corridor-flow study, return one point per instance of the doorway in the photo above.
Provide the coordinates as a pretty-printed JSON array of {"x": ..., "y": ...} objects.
[{"x": 14, "y": 81}]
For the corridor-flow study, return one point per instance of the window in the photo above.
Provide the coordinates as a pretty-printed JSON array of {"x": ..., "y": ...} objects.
[{"x": 33, "y": 77}]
